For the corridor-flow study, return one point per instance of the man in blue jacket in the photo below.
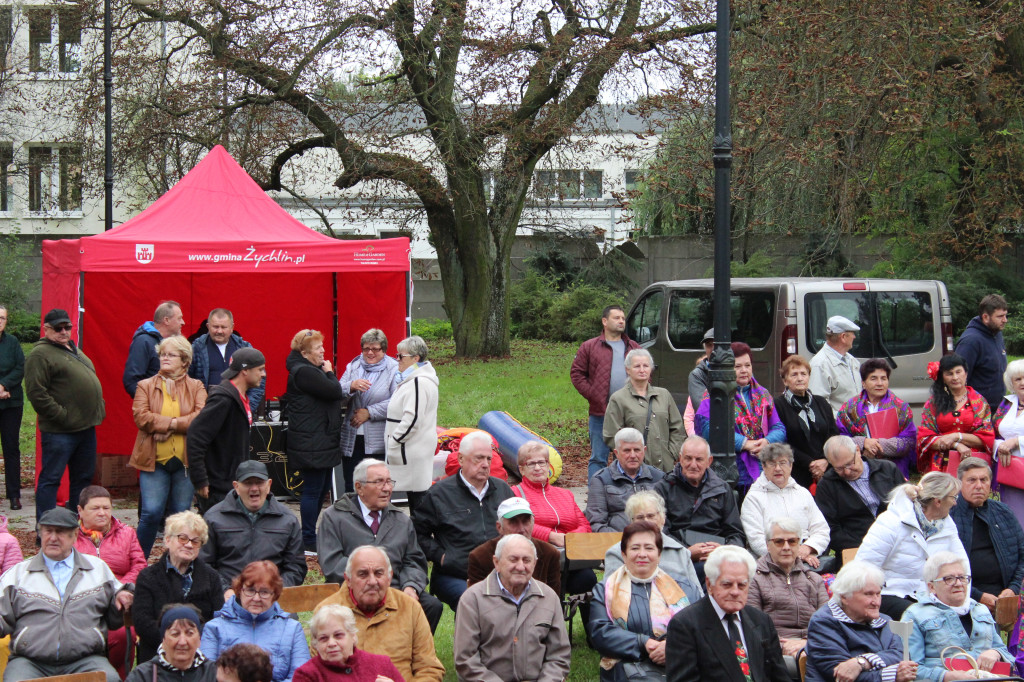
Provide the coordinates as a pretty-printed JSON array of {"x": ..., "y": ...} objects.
[
  {"x": 211, "y": 353},
  {"x": 981, "y": 345},
  {"x": 142, "y": 361}
]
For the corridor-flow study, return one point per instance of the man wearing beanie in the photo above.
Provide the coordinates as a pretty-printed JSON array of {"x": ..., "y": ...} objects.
[{"x": 218, "y": 439}]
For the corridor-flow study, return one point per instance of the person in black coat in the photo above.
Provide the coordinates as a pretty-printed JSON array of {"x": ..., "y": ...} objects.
[
  {"x": 808, "y": 419},
  {"x": 178, "y": 577},
  {"x": 848, "y": 513},
  {"x": 218, "y": 438},
  {"x": 720, "y": 638},
  {"x": 314, "y": 425}
]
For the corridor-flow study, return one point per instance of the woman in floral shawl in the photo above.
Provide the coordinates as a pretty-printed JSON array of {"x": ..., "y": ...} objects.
[
  {"x": 632, "y": 608},
  {"x": 875, "y": 398},
  {"x": 757, "y": 421},
  {"x": 955, "y": 417}
]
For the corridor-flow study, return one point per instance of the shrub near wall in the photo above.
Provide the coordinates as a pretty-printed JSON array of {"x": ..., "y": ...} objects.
[
  {"x": 539, "y": 310},
  {"x": 23, "y": 326}
]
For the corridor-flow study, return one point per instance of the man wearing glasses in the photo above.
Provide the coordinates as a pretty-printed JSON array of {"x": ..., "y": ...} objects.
[
  {"x": 251, "y": 525},
  {"x": 367, "y": 517},
  {"x": 61, "y": 384},
  {"x": 853, "y": 492}
]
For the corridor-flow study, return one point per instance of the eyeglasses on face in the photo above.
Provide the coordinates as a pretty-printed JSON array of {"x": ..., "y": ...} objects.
[
  {"x": 372, "y": 349},
  {"x": 250, "y": 591},
  {"x": 402, "y": 356},
  {"x": 954, "y": 579},
  {"x": 536, "y": 464},
  {"x": 66, "y": 327},
  {"x": 779, "y": 542},
  {"x": 382, "y": 482},
  {"x": 186, "y": 540},
  {"x": 170, "y": 355}
]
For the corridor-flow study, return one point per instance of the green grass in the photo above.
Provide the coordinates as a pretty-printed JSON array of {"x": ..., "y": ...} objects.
[{"x": 532, "y": 385}]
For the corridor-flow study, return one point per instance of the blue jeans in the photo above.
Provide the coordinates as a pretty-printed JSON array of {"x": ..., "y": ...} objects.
[
  {"x": 75, "y": 452},
  {"x": 168, "y": 488},
  {"x": 315, "y": 483},
  {"x": 598, "y": 450},
  {"x": 447, "y": 588}
]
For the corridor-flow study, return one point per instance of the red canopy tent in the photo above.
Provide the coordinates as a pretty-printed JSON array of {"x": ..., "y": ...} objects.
[{"x": 217, "y": 240}]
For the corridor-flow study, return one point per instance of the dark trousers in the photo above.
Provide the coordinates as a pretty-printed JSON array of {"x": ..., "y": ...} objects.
[
  {"x": 895, "y": 606},
  {"x": 433, "y": 608},
  {"x": 10, "y": 425},
  {"x": 75, "y": 452},
  {"x": 315, "y": 484},
  {"x": 205, "y": 503},
  {"x": 349, "y": 464}
]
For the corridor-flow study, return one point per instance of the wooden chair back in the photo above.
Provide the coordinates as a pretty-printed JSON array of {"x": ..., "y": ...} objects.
[
  {"x": 95, "y": 676},
  {"x": 1007, "y": 609},
  {"x": 305, "y": 597},
  {"x": 801, "y": 664},
  {"x": 589, "y": 546},
  {"x": 849, "y": 554}
]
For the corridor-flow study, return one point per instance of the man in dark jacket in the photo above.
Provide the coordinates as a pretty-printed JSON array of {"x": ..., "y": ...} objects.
[
  {"x": 12, "y": 369},
  {"x": 599, "y": 370},
  {"x": 142, "y": 361},
  {"x": 457, "y": 514},
  {"x": 62, "y": 385},
  {"x": 701, "y": 506},
  {"x": 251, "y": 525},
  {"x": 990, "y": 533},
  {"x": 212, "y": 351},
  {"x": 981, "y": 346},
  {"x": 218, "y": 438},
  {"x": 852, "y": 493},
  {"x": 697, "y": 382},
  {"x": 367, "y": 517}
]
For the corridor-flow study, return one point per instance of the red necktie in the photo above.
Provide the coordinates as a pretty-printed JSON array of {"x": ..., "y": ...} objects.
[{"x": 375, "y": 524}]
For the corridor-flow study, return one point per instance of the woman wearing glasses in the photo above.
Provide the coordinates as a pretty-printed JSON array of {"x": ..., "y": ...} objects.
[
  {"x": 253, "y": 616},
  {"x": 367, "y": 382},
  {"x": 164, "y": 408},
  {"x": 947, "y": 616},
  {"x": 178, "y": 577},
  {"x": 411, "y": 432},
  {"x": 915, "y": 527}
]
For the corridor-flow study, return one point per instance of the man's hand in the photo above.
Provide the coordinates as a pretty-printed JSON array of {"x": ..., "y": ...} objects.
[
  {"x": 123, "y": 600},
  {"x": 818, "y": 468},
  {"x": 791, "y": 647},
  {"x": 701, "y": 550},
  {"x": 203, "y": 492},
  {"x": 848, "y": 670},
  {"x": 411, "y": 591},
  {"x": 988, "y": 600},
  {"x": 656, "y": 651}
]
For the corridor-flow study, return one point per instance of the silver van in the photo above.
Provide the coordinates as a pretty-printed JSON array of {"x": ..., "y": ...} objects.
[{"x": 909, "y": 322}]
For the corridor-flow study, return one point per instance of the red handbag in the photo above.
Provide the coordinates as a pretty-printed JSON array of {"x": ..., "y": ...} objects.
[{"x": 1012, "y": 475}]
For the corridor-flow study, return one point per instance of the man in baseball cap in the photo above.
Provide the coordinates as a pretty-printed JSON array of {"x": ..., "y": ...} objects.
[
  {"x": 697, "y": 383},
  {"x": 218, "y": 438},
  {"x": 515, "y": 516},
  {"x": 835, "y": 374}
]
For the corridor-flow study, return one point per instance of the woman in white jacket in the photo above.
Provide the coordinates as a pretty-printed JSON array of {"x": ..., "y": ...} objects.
[
  {"x": 411, "y": 432},
  {"x": 914, "y": 527},
  {"x": 775, "y": 494}
]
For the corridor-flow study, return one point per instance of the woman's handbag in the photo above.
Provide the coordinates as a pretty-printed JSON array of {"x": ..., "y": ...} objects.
[
  {"x": 1012, "y": 475},
  {"x": 963, "y": 661}
]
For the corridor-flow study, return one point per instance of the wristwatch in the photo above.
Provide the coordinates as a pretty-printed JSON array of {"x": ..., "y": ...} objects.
[{"x": 864, "y": 663}]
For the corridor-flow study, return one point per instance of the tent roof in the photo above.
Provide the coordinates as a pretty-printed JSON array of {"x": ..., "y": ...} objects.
[{"x": 218, "y": 218}]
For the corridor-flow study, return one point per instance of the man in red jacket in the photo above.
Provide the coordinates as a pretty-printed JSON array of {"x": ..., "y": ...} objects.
[{"x": 598, "y": 371}]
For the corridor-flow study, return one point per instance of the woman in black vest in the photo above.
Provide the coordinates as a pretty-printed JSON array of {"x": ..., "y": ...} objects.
[
  {"x": 808, "y": 419},
  {"x": 314, "y": 425}
]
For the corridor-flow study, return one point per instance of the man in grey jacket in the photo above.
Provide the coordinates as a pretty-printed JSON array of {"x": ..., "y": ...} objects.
[
  {"x": 251, "y": 525},
  {"x": 367, "y": 517},
  {"x": 510, "y": 627},
  {"x": 68, "y": 600}
]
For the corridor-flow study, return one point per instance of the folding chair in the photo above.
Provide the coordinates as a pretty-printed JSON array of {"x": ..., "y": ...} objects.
[
  {"x": 305, "y": 597},
  {"x": 1007, "y": 609},
  {"x": 95, "y": 676},
  {"x": 582, "y": 550}
]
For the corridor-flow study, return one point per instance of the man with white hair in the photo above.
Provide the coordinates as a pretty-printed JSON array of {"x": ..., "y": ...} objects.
[
  {"x": 720, "y": 637},
  {"x": 509, "y": 627},
  {"x": 835, "y": 374},
  {"x": 459, "y": 513},
  {"x": 389, "y": 621},
  {"x": 608, "y": 491}
]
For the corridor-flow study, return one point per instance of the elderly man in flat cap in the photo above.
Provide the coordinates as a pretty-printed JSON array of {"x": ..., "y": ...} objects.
[
  {"x": 835, "y": 374},
  {"x": 58, "y": 605}
]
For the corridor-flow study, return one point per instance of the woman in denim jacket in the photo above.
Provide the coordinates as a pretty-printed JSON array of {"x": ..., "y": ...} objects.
[{"x": 941, "y": 619}]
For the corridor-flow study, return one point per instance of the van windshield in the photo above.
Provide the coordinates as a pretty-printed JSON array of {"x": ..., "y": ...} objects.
[
  {"x": 897, "y": 323},
  {"x": 690, "y": 315}
]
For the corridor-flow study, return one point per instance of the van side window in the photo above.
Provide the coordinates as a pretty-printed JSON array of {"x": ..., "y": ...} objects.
[
  {"x": 906, "y": 325},
  {"x": 690, "y": 315},
  {"x": 853, "y": 305},
  {"x": 645, "y": 322},
  {"x": 892, "y": 323}
]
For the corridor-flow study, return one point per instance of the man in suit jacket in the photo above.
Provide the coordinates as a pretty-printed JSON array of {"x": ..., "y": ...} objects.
[{"x": 702, "y": 638}]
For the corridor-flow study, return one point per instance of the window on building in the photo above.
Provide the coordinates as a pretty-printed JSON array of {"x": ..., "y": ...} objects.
[
  {"x": 55, "y": 179},
  {"x": 6, "y": 32},
  {"x": 632, "y": 179},
  {"x": 568, "y": 183},
  {"x": 43, "y": 26},
  {"x": 6, "y": 159}
]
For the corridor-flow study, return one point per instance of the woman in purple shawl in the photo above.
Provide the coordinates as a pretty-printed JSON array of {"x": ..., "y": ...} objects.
[
  {"x": 853, "y": 420},
  {"x": 757, "y": 422}
]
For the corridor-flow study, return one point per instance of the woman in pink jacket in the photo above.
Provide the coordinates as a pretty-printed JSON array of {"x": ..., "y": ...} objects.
[
  {"x": 10, "y": 550},
  {"x": 103, "y": 536},
  {"x": 555, "y": 512}
]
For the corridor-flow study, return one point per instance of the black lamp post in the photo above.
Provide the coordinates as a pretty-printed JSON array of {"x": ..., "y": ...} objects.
[
  {"x": 108, "y": 123},
  {"x": 722, "y": 374}
]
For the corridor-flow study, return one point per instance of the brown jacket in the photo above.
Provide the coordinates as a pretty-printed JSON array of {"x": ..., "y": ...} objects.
[
  {"x": 398, "y": 630},
  {"x": 548, "y": 569},
  {"x": 149, "y": 399},
  {"x": 789, "y": 601}
]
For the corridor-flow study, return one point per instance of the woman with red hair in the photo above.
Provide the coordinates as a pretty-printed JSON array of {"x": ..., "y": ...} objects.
[{"x": 253, "y": 616}]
